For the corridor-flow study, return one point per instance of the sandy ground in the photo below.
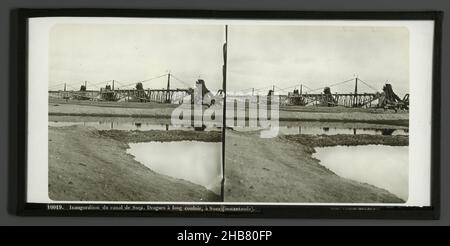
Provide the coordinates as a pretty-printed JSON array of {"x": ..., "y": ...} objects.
[
  {"x": 276, "y": 170},
  {"x": 108, "y": 110},
  {"x": 162, "y": 136},
  {"x": 87, "y": 166},
  {"x": 347, "y": 140}
]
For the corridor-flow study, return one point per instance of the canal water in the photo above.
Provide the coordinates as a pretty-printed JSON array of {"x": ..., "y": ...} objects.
[
  {"x": 319, "y": 130},
  {"x": 197, "y": 162},
  {"x": 124, "y": 126},
  {"x": 284, "y": 130},
  {"x": 383, "y": 166}
]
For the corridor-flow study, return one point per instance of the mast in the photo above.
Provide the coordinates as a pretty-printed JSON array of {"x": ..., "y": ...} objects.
[
  {"x": 168, "y": 88},
  {"x": 355, "y": 103},
  {"x": 224, "y": 86}
]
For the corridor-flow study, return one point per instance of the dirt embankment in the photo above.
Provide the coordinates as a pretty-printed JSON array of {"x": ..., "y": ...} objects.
[
  {"x": 276, "y": 170},
  {"x": 109, "y": 110},
  {"x": 164, "y": 111},
  {"x": 85, "y": 165}
]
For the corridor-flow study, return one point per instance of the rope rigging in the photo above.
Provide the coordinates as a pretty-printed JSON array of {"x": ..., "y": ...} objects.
[
  {"x": 335, "y": 84},
  {"x": 179, "y": 80},
  {"x": 122, "y": 84},
  {"x": 55, "y": 86},
  {"x": 143, "y": 81},
  {"x": 368, "y": 85}
]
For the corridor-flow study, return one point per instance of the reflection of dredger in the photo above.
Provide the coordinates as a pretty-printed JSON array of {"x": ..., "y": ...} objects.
[{"x": 201, "y": 95}]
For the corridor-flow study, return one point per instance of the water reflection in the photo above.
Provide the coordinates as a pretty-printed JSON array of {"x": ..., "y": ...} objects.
[
  {"x": 387, "y": 132},
  {"x": 197, "y": 162},
  {"x": 284, "y": 130},
  {"x": 382, "y": 166},
  {"x": 315, "y": 130},
  {"x": 129, "y": 126}
]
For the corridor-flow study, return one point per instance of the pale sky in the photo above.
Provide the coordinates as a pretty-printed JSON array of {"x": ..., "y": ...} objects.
[
  {"x": 258, "y": 56},
  {"x": 132, "y": 53},
  {"x": 318, "y": 56}
]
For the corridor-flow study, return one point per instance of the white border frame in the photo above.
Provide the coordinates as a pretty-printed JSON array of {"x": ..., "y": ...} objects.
[{"x": 421, "y": 61}]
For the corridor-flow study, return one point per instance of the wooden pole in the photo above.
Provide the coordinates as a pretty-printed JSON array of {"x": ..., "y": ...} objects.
[
  {"x": 224, "y": 86},
  {"x": 356, "y": 92},
  {"x": 168, "y": 88}
]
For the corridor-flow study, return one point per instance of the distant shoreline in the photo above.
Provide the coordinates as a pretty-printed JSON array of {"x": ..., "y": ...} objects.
[{"x": 291, "y": 114}]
